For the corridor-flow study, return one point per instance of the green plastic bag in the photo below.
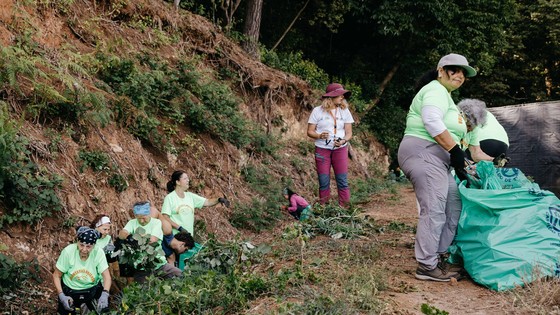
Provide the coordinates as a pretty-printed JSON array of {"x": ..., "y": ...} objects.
[
  {"x": 509, "y": 237},
  {"x": 305, "y": 213},
  {"x": 188, "y": 255}
]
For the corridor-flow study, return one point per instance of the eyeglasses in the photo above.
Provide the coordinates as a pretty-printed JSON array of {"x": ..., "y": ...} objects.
[{"x": 454, "y": 69}]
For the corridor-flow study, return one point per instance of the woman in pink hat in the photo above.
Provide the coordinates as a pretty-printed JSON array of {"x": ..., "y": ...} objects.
[{"x": 330, "y": 124}]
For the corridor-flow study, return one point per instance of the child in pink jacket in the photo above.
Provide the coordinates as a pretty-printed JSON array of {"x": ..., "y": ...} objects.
[{"x": 298, "y": 207}]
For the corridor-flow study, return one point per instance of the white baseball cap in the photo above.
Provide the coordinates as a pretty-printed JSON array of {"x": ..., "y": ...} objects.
[{"x": 459, "y": 61}]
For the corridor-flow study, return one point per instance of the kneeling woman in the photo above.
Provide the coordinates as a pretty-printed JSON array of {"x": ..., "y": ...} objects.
[{"x": 78, "y": 273}]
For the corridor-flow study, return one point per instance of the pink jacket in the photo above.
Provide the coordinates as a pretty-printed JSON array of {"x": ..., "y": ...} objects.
[{"x": 297, "y": 201}]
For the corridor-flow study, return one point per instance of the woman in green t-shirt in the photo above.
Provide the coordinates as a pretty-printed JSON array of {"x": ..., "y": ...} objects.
[
  {"x": 429, "y": 149},
  {"x": 81, "y": 274}
]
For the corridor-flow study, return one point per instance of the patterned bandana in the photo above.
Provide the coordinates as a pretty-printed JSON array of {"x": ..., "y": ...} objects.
[
  {"x": 88, "y": 235},
  {"x": 142, "y": 209}
]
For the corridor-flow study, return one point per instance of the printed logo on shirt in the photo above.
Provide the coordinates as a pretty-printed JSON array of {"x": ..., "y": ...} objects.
[
  {"x": 184, "y": 209},
  {"x": 82, "y": 275}
]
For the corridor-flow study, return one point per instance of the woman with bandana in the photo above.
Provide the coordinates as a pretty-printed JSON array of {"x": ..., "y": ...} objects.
[
  {"x": 81, "y": 275},
  {"x": 151, "y": 227}
]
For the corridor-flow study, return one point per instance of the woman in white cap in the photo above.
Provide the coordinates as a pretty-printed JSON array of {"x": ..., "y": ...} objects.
[
  {"x": 102, "y": 224},
  {"x": 429, "y": 149},
  {"x": 330, "y": 124},
  {"x": 81, "y": 274}
]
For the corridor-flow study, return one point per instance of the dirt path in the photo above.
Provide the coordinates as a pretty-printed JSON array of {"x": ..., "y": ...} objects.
[{"x": 405, "y": 293}]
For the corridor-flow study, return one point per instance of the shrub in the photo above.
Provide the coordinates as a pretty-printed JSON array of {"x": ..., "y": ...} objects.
[
  {"x": 28, "y": 191},
  {"x": 256, "y": 216},
  {"x": 336, "y": 222},
  {"x": 294, "y": 63},
  {"x": 15, "y": 275},
  {"x": 216, "y": 281}
]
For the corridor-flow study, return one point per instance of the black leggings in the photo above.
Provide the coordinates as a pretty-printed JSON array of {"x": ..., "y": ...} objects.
[
  {"x": 491, "y": 147},
  {"x": 86, "y": 296}
]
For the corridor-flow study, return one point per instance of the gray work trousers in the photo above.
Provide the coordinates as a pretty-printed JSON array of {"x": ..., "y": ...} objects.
[{"x": 426, "y": 164}]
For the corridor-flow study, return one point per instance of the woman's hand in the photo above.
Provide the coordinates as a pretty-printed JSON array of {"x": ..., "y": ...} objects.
[{"x": 339, "y": 142}]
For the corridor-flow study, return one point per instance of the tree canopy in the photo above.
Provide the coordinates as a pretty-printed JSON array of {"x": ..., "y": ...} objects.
[{"x": 383, "y": 46}]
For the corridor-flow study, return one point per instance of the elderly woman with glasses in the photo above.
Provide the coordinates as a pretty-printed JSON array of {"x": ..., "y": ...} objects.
[
  {"x": 81, "y": 275},
  {"x": 330, "y": 124}
]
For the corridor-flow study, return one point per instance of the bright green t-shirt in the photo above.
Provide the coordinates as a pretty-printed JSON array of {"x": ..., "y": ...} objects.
[
  {"x": 78, "y": 274},
  {"x": 181, "y": 210},
  {"x": 435, "y": 94},
  {"x": 102, "y": 242},
  {"x": 492, "y": 129},
  {"x": 153, "y": 228}
]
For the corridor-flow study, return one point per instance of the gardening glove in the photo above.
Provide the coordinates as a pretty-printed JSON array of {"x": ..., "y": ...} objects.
[
  {"x": 109, "y": 248},
  {"x": 66, "y": 301},
  {"x": 224, "y": 201},
  {"x": 501, "y": 160},
  {"x": 131, "y": 241},
  {"x": 457, "y": 160},
  {"x": 103, "y": 301}
]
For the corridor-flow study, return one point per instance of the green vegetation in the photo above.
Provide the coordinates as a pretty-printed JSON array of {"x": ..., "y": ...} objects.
[
  {"x": 139, "y": 252},
  {"x": 432, "y": 310},
  {"x": 28, "y": 191},
  {"x": 15, "y": 275},
  {"x": 99, "y": 161},
  {"x": 336, "y": 222}
]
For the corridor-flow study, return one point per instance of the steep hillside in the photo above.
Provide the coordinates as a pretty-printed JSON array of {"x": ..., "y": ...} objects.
[{"x": 60, "y": 68}]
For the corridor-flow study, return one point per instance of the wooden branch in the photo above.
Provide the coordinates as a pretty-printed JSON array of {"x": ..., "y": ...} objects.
[{"x": 290, "y": 26}]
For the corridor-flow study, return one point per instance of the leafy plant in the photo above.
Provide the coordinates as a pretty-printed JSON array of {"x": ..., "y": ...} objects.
[
  {"x": 227, "y": 257},
  {"x": 118, "y": 182},
  {"x": 97, "y": 160},
  {"x": 14, "y": 275},
  {"x": 216, "y": 280},
  {"x": 336, "y": 222},
  {"x": 256, "y": 216},
  {"x": 432, "y": 310},
  {"x": 28, "y": 191},
  {"x": 294, "y": 63},
  {"x": 139, "y": 252}
]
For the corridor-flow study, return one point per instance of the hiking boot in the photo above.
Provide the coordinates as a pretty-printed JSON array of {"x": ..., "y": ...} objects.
[
  {"x": 436, "y": 274},
  {"x": 449, "y": 267}
]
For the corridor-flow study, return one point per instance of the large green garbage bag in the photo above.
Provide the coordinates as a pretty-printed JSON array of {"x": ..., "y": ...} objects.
[{"x": 509, "y": 237}]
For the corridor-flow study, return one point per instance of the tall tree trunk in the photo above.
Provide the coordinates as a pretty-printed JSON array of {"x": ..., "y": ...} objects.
[
  {"x": 252, "y": 27},
  {"x": 388, "y": 77}
]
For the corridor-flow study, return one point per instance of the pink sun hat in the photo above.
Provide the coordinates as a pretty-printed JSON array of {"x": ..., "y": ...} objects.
[{"x": 336, "y": 89}]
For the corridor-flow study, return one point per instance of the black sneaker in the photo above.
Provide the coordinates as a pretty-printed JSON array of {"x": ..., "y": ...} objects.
[{"x": 437, "y": 274}]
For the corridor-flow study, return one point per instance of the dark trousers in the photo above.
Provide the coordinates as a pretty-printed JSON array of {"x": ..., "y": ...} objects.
[
  {"x": 86, "y": 296},
  {"x": 491, "y": 147}
]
